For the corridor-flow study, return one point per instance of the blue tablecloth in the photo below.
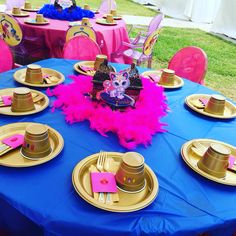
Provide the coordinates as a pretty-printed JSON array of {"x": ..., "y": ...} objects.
[{"x": 42, "y": 201}]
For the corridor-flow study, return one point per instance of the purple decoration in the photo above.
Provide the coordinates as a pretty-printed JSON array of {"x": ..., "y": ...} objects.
[{"x": 70, "y": 14}]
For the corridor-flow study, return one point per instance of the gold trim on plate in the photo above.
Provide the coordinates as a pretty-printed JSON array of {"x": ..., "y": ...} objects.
[
  {"x": 191, "y": 158},
  {"x": 178, "y": 82},
  {"x": 118, "y": 17},
  {"x": 128, "y": 201},
  {"x": 32, "y": 21},
  {"x": 40, "y": 105},
  {"x": 15, "y": 159},
  {"x": 20, "y": 74},
  {"x": 230, "y": 108},
  {"x": 22, "y": 14},
  {"x": 89, "y": 64},
  {"x": 30, "y": 9},
  {"x": 102, "y": 21}
]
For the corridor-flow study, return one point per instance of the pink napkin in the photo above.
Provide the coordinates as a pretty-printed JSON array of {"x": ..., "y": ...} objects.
[
  {"x": 14, "y": 141},
  {"x": 232, "y": 159},
  {"x": 103, "y": 182},
  {"x": 86, "y": 68},
  {"x": 6, "y": 100},
  {"x": 155, "y": 78},
  {"x": 204, "y": 101}
]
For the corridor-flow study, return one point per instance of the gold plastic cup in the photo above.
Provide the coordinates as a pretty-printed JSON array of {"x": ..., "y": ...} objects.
[
  {"x": 131, "y": 173},
  {"x": 215, "y": 160},
  {"x": 86, "y": 7},
  {"x": 27, "y": 5},
  {"x": 113, "y": 12},
  {"x": 36, "y": 142},
  {"x": 85, "y": 21},
  {"x": 99, "y": 59},
  {"x": 167, "y": 77},
  {"x": 39, "y": 18},
  {"x": 109, "y": 18},
  {"x": 22, "y": 100},
  {"x": 34, "y": 74},
  {"x": 216, "y": 104},
  {"x": 16, "y": 11}
]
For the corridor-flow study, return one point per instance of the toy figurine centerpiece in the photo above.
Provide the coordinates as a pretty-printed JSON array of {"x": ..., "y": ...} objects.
[
  {"x": 65, "y": 10},
  {"x": 119, "y": 102},
  {"x": 119, "y": 90}
]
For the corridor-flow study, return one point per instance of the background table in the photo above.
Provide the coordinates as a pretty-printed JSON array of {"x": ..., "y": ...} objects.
[
  {"x": 41, "y": 200},
  {"x": 110, "y": 37}
]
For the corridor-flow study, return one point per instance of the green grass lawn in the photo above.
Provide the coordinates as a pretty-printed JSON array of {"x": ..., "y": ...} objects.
[{"x": 221, "y": 73}]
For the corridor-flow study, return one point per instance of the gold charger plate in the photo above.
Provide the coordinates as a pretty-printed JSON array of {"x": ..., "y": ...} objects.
[
  {"x": 15, "y": 159},
  {"x": 20, "y": 74},
  {"x": 191, "y": 159},
  {"x": 192, "y": 100},
  {"x": 30, "y": 10},
  {"x": 128, "y": 202},
  {"x": 39, "y": 106},
  {"x": 75, "y": 23},
  {"x": 114, "y": 17},
  {"x": 32, "y": 21},
  {"x": 178, "y": 82},
  {"x": 23, "y": 14},
  {"x": 87, "y": 64},
  {"x": 102, "y": 21}
]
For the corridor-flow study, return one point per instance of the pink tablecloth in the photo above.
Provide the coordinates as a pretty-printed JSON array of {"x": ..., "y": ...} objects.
[{"x": 54, "y": 35}]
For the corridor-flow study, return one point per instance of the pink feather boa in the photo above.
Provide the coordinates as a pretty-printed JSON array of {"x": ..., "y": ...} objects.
[{"x": 132, "y": 126}]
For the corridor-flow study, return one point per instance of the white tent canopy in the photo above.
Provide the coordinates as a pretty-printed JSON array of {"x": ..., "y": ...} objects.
[
  {"x": 220, "y": 13},
  {"x": 225, "y": 21}
]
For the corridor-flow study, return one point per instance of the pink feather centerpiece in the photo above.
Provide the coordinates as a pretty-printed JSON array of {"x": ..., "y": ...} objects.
[{"x": 133, "y": 125}]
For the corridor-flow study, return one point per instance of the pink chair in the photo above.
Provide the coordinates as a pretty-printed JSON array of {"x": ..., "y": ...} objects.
[
  {"x": 106, "y": 6},
  {"x": 6, "y": 58},
  {"x": 24, "y": 48},
  {"x": 190, "y": 63},
  {"x": 154, "y": 25},
  {"x": 81, "y": 48},
  {"x": 14, "y": 3},
  {"x": 139, "y": 56},
  {"x": 81, "y": 30}
]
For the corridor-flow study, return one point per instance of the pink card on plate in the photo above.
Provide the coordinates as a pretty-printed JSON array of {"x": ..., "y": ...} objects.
[
  {"x": 6, "y": 100},
  {"x": 154, "y": 77},
  {"x": 86, "y": 68},
  {"x": 204, "y": 101},
  {"x": 14, "y": 141},
  {"x": 103, "y": 182},
  {"x": 232, "y": 160}
]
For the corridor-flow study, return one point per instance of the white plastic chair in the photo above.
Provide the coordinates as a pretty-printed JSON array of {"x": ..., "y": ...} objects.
[{"x": 106, "y": 6}]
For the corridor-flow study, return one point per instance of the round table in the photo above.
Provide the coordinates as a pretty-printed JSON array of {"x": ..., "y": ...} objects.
[
  {"x": 41, "y": 200},
  {"x": 110, "y": 37}
]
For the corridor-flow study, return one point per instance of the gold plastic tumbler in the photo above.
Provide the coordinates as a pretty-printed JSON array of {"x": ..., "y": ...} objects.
[
  {"x": 34, "y": 74},
  {"x": 27, "y": 5},
  {"x": 215, "y": 160},
  {"x": 167, "y": 77},
  {"x": 36, "y": 142},
  {"x": 22, "y": 100},
  {"x": 131, "y": 173},
  {"x": 16, "y": 11},
  {"x": 99, "y": 59},
  {"x": 216, "y": 104}
]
